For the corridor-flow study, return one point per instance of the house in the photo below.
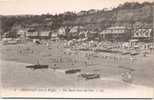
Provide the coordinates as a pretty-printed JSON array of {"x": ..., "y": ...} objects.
[
  {"x": 91, "y": 35},
  {"x": 41, "y": 34},
  {"x": 70, "y": 32},
  {"x": 32, "y": 33},
  {"x": 74, "y": 32},
  {"x": 10, "y": 34},
  {"x": 142, "y": 34},
  {"x": 81, "y": 13},
  {"x": 92, "y": 11},
  {"x": 22, "y": 33},
  {"x": 74, "y": 29},
  {"x": 54, "y": 34},
  {"x": 117, "y": 33},
  {"x": 63, "y": 31},
  {"x": 6, "y": 37},
  {"x": 44, "y": 34},
  {"x": 83, "y": 34}
]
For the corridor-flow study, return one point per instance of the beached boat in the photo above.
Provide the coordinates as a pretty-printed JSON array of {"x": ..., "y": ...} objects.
[
  {"x": 125, "y": 52},
  {"x": 72, "y": 71},
  {"x": 134, "y": 53},
  {"x": 38, "y": 66},
  {"x": 90, "y": 76}
]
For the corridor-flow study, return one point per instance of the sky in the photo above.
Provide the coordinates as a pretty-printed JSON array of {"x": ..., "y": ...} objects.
[{"x": 20, "y": 7}]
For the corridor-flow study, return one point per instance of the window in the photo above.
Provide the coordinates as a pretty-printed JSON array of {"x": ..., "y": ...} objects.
[{"x": 136, "y": 34}]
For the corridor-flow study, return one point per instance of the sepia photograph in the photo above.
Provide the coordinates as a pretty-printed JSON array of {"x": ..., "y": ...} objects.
[{"x": 77, "y": 48}]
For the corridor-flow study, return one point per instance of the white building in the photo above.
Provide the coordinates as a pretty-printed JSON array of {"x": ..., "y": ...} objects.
[
  {"x": 117, "y": 33},
  {"x": 142, "y": 33},
  {"x": 62, "y": 31}
]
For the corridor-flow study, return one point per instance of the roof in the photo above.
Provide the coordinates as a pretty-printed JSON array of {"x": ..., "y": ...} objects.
[
  {"x": 74, "y": 29},
  {"x": 117, "y": 27},
  {"x": 21, "y": 31},
  {"x": 114, "y": 30},
  {"x": 31, "y": 30},
  {"x": 44, "y": 33}
]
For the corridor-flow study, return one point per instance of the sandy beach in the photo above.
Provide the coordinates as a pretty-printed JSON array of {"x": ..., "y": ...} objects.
[{"x": 105, "y": 67}]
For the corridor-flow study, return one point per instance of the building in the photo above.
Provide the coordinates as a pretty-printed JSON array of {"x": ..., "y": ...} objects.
[
  {"x": 10, "y": 34},
  {"x": 83, "y": 34},
  {"x": 22, "y": 32},
  {"x": 70, "y": 32},
  {"x": 34, "y": 34},
  {"x": 74, "y": 29},
  {"x": 143, "y": 34},
  {"x": 92, "y": 11},
  {"x": 81, "y": 13},
  {"x": 74, "y": 32},
  {"x": 45, "y": 34},
  {"x": 117, "y": 33},
  {"x": 92, "y": 35},
  {"x": 63, "y": 30},
  {"x": 54, "y": 34}
]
